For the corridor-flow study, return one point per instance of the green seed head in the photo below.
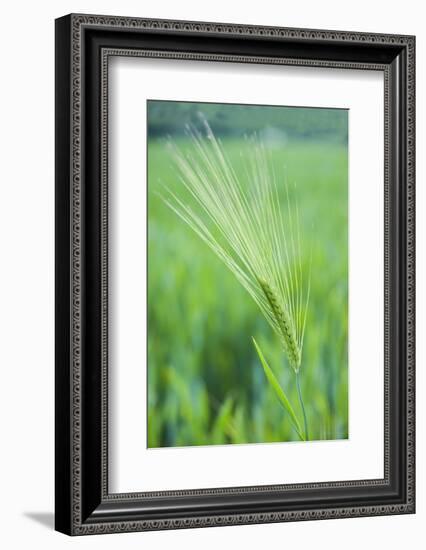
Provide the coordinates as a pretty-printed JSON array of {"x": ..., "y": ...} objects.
[
  {"x": 286, "y": 330},
  {"x": 252, "y": 224}
]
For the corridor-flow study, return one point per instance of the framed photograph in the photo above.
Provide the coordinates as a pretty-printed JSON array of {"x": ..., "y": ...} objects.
[{"x": 234, "y": 274}]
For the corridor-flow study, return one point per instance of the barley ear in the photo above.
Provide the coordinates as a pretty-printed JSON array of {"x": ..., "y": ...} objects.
[{"x": 285, "y": 326}]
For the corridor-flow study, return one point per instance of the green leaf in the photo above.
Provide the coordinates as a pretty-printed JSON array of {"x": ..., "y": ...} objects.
[
  {"x": 222, "y": 422},
  {"x": 279, "y": 391}
]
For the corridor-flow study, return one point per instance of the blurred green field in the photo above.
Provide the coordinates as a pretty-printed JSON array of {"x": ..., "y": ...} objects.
[{"x": 205, "y": 382}]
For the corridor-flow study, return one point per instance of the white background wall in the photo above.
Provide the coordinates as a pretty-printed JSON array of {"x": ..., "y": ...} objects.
[{"x": 27, "y": 261}]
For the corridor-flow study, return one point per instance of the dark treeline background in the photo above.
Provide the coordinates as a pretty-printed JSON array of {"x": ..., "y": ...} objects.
[{"x": 171, "y": 117}]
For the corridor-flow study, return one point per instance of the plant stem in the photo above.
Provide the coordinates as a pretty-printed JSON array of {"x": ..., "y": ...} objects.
[{"x": 305, "y": 422}]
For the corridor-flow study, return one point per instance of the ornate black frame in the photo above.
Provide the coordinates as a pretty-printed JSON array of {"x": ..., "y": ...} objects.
[{"x": 83, "y": 46}]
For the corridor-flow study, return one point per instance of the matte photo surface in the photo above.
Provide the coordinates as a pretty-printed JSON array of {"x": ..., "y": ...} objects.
[{"x": 247, "y": 274}]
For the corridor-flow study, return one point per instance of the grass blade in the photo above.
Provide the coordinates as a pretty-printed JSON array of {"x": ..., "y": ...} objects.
[{"x": 279, "y": 391}]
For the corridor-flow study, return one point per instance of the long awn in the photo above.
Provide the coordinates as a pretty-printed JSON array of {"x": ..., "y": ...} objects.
[{"x": 246, "y": 226}]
